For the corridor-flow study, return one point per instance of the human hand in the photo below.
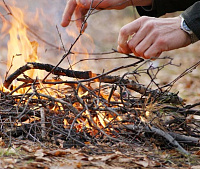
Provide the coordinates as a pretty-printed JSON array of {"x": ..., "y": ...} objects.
[
  {"x": 151, "y": 36},
  {"x": 81, "y": 7}
]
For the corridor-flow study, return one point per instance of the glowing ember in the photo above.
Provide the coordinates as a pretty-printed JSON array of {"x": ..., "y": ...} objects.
[
  {"x": 65, "y": 123},
  {"x": 147, "y": 113},
  {"x": 143, "y": 119},
  {"x": 29, "y": 120}
]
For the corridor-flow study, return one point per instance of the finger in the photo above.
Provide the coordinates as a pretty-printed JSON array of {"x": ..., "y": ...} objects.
[
  {"x": 68, "y": 12},
  {"x": 140, "y": 41},
  {"x": 120, "y": 50},
  {"x": 124, "y": 34},
  {"x": 156, "y": 56},
  {"x": 152, "y": 52},
  {"x": 132, "y": 45},
  {"x": 80, "y": 17},
  {"x": 144, "y": 45}
]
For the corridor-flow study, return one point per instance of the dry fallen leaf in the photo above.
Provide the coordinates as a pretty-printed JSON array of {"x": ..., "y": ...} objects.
[
  {"x": 78, "y": 165},
  {"x": 81, "y": 157},
  {"x": 193, "y": 117},
  {"x": 26, "y": 148},
  {"x": 109, "y": 157},
  {"x": 57, "y": 153},
  {"x": 71, "y": 164},
  {"x": 39, "y": 153},
  {"x": 72, "y": 151},
  {"x": 198, "y": 152},
  {"x": 195, "y": 167},
  {"x": 125, "y": 160},
  {"x": 8, "y": 166},
  {"x": 164, "y": 155},
  {"x": 99, "y": 163},
  {"x": 140, "y": 156},
  {"x": 8, "y": 151},
  {"x": 10, "y": 160},
  {"x": 2, "y": 143},
  {"x": 36, "y": 165},
  {"x": 41, "y": 159},
  {"x": 63, "y": 166},
  {"x": 142, "y": 163}
]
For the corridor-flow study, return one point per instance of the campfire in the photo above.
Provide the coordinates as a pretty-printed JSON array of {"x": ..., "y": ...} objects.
[{"x": 80, "y": 108}]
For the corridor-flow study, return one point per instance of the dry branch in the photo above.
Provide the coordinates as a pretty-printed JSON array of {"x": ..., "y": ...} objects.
[
  {"x": 48, "y": 68},
  {"x": 185, "y": 139},
  {"x": 166, "y": 135},
  {"x": 90, "y": 76},
  {"x": 185, "y": 111}
]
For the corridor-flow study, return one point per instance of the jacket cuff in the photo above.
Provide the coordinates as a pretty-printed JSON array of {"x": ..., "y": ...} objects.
[{"x": 192, "y": 18}]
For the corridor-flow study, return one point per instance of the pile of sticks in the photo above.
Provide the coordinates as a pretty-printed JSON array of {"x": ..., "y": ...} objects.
[
  {"x": 98, "y": 109},
  {"x": 95, "y": 109}
]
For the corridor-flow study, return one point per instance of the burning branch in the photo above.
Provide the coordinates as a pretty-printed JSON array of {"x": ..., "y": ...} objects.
[{"x": 89, "y": 76}]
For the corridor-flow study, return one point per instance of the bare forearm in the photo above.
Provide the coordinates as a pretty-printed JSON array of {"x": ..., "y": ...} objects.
[
  {"x": 80, "y": 8},
  {"x": 141, "y": 2}
]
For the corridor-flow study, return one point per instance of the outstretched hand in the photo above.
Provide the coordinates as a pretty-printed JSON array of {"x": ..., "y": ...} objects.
[
  {"x": 81, "y": 7},
  {"x": 151, "y": 36}
]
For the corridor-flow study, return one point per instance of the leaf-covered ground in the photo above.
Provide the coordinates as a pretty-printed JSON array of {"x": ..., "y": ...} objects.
[{"x": 25, "y": 154}]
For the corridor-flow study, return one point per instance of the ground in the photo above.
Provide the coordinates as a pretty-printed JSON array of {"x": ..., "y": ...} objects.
[{"x": 25, "y": 154}]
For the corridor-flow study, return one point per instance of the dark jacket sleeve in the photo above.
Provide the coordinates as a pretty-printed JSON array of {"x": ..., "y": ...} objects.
[
  {"x": 161, "y": 7},
  {"x": 191, "y": 12},
  {"x": 192, "y": 18}
]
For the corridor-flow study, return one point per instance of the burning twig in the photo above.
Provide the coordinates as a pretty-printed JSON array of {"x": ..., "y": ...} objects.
[{"x": 69, "y": 106}]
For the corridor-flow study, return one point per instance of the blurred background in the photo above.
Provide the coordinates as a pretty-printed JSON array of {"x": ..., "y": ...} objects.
[{"x": 42, "y": 18}]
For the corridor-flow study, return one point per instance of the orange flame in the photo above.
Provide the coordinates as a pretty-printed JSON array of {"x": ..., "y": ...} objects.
[
  {"x": 20, "y": 49},
  {"x": 19, "y": 44},
  {"x": 78, "y": 47}
]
